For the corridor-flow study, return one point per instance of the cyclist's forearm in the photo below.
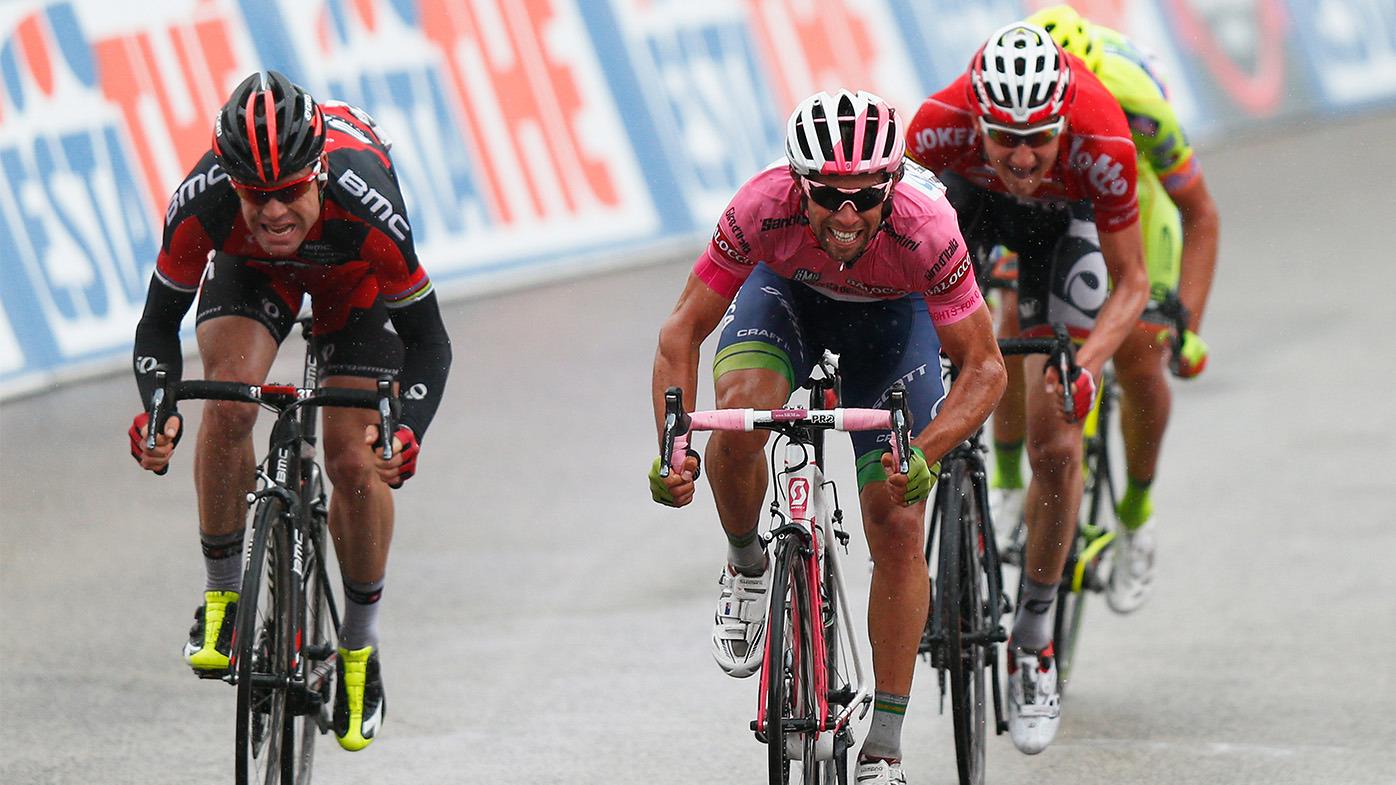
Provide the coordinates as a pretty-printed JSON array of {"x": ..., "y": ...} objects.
[
  {"x": 157, "y": 336},
  {"x": 675, "y": 365},
  {"x": 967, "y": 407},
  {"x": 426, "y": 362},
  {"x": 1201, "y": 238}
]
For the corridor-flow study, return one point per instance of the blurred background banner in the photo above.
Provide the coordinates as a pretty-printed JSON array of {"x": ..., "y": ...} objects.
[{"x": 534, "y": 139}]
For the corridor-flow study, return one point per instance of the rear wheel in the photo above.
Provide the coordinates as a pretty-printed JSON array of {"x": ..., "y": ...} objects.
[{"x": 260, "y": 650}]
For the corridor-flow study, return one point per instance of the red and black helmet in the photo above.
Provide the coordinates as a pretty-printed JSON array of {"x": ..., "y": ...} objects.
[{"x": 269, "y": 128}]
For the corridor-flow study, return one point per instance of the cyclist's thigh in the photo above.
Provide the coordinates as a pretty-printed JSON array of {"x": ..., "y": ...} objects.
[
  {"x": 1163, "y": 241},
  {"x": 881, "y": 343},
  {"x": 1067, "y": 286},
  {"x": 244, "y": 315},
  {"x": 761, "y": 337}
]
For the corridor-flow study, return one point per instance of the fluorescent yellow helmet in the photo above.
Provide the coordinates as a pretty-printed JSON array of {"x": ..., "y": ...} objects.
[{"x": 1072, "y": 31}]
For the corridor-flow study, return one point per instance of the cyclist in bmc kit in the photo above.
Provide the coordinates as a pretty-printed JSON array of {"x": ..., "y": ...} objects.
[
  {"x": 1181, "y": 226},
  {"x": 844, "y": 246},
  {"x": 295, "y": 198},
  {"x": 1037, "y": 158}
]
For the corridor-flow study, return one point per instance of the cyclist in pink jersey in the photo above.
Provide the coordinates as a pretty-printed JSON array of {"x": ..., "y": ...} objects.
[
  {"x": 841, "y": 246},
  {"x": 1037, "y": 157}
]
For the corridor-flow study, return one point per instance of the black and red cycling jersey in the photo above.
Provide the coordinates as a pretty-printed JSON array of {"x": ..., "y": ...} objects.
[{"x": 362, "y": 232}]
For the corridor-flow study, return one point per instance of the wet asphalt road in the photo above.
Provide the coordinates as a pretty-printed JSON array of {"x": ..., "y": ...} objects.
[{"x": 544, "y": 622}]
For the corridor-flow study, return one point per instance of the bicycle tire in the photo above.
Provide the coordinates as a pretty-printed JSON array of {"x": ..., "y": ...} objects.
[
  {"x": 790, "y": 699},
  {"x": 774, "y": 668},
  {"x": 1096, "y": 531},
  {"x": 839, "y": 684},
  {"x": 310, "y": 715},
  {"x": 961, "y": 577},
  {"x": 259, "y": 648}
]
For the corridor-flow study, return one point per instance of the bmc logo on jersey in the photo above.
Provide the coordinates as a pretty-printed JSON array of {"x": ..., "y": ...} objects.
[
  {"x": 1102, "y": 171},
  {"x": 377, "y": 203}
]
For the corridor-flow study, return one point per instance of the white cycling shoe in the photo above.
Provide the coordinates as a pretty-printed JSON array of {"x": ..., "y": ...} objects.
[
  {"x": 1132, "y": 569},
  {"x": 739, "y": 626},
  {"x": 1034, "y": 700},
  {"x": 1006, "y": 511},
  {"x": 879, "y": 772}
]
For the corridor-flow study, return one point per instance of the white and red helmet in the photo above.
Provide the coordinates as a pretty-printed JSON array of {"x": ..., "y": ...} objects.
[
  {"x": 844, "y": 133},
  {"x": 1021, "y": 75}
]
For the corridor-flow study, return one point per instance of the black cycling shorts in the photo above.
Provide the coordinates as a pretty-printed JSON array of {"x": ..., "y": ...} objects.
[
  {"x": 1061, "y": 272},
  {"x": 352, "y": 334}
]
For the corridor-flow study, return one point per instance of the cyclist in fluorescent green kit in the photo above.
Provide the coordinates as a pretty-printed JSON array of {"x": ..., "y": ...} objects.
[{"x": 1181, "y": 228}]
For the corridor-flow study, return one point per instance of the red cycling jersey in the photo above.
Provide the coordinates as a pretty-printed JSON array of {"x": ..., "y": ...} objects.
[
  {"x": 362, "y": 229},
  {"x": 1096, "y": 158}
]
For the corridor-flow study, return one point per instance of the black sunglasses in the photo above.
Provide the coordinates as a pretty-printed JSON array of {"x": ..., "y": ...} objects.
[
  {"x": 1007, "y": 136},
  {"x": 833, "y": 199},
  {"x": 285, "y": 194}
]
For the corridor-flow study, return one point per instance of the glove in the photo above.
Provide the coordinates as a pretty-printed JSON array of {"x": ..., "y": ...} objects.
[
  {"x": 1082, "y": 395},
  {"x": 1192, "y": 359},
  {"x": 138, "y": 441},
  {"x": 920, "y": 477},
  {"x": 659, "y": 491},
  {"x": 408, "y": 452}
]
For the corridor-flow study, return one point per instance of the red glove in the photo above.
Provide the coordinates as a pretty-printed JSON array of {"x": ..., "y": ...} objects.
[
  {"x": 408, "y": 452},
  {"x": 1082, "y": 395},
  {"x": 138, "y": 441}
]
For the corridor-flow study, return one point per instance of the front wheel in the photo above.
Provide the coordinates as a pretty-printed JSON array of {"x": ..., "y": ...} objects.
[
  {"x": 966, "y": 621},
  {"x": 308, "y": 713},
  {"x": 792, "y": 705},
  {"x": 261, "y": 644}
]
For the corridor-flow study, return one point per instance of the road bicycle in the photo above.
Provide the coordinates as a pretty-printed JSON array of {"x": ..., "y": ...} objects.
[
  {"x": 284, "y": 649},
  {"x": 964, "y": 632},
  {"x": 812, "y": 676}
]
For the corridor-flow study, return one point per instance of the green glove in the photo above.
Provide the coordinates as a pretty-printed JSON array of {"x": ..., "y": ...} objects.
[
  {"x": 1192, "y": 359},
  {"x": 920, "y": 477},
  {"x": 658, "y": 490}
]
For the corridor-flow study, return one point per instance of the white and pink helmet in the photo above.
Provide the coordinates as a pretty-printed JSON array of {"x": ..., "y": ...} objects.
[{"x": 844, "y": 133}]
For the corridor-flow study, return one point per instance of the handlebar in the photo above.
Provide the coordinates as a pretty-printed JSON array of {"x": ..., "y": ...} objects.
[
  {"x": 280, "y": 398},
  {"x": 1061, "y": 354},
  {"x": 678, "y": 423},
  {"x": 1176, "y": 317}
]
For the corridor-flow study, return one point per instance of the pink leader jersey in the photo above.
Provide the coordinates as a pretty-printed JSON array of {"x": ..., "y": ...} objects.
[
  {"x": 919, "y": 249},
  {"x": 1096, "y": 159}
]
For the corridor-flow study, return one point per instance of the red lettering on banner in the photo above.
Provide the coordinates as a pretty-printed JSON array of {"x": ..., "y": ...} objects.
[
  {"x": 134, "y": 80},
  {"x": 31, "y": 38},
  {"x": 818, "y": 45},
  {"x": 521, "y": 103}
]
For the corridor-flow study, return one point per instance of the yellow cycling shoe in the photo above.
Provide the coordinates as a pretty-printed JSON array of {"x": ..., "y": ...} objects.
[
  {"x": 359, "y": 705},
  {"x": 211, "y": 638}
]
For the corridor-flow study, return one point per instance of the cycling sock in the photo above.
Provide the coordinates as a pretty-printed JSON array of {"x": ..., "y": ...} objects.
[
  {"x": 885, "y": 733},
  {"x": 1008, "y": 464},
  {"x": 746, "y": 554},
  {"x": 222, "y": 561},
  {"x": 1032, "y": 629},
  {"x": 359, "y": 627},
  {"x": 1135, "y": 508}
]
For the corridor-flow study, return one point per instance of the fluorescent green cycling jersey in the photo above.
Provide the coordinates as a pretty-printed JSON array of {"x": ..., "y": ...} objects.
[
  {"x": 1166, "y": 161},
  {"x": 1137, "y": 82}
]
